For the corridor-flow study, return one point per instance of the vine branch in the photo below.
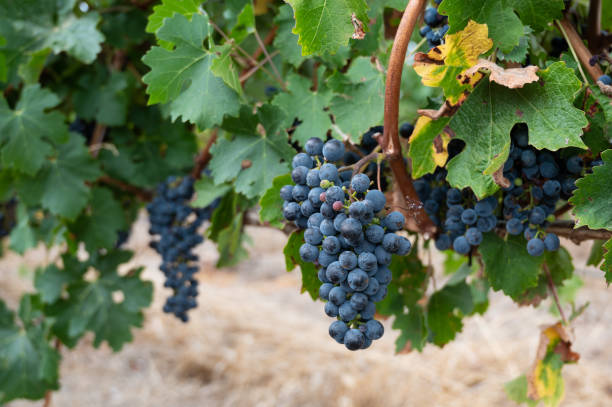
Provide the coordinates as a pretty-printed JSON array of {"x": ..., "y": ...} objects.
[
  {"x": 204, "y": 157},
  {"x": 361, "y": 163},
  {"x": 143, "y": 194},
  {"x": 580, "y": 51},
  {"x": 553, "y": 290},
  {"x": 390, "y": 142},
  {"x": 594, "y": 25}
]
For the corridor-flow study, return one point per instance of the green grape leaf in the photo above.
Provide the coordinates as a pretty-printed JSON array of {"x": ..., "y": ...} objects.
[
  {"x": 361, "y": 102},
  {"x": 29, "y": 365},
  {"x": 52, "y": 281},
  {"x": 485, "y": 119},
  {"x": 103, "y": 97},
  {"x": 230, "y": 242},
  {"x": 443, "y": 321},
  {"x": 26, "y": 131},
  {"x": 3, "y": 64},
  {"x": 606, "y": 266},
  {"x": 538, "y": 13},
  {"x": 518, "y": 53},
  {"x": 508, "y": 266},
  {"x": 257, "y": 152},
  {"x": 33, "y": 25},
  {"x": 183, "y": 75},
  {"x": 505, "y": 28},
  {"x": 30, "y": 70},
  {"x": 517, "y": 391},
  {"x": 99, "y": 225},
  {"x": 286, "y": 42},
  {"x": 272, "y": 204},
  {"x": 22, "y": 236},
  {"x": 245, "y": 24},
  {"x": 167, "y": 9},
  {"x": 310, "y": 281},
  {"x": 207, "y": 191},
  {"x": 428, "y": 145},
  {"x": 308, "y": 106},
  {"x": 324, "y": 26},
  {"x": 592, "y": 200},
  {"x": 404, "y": 292},
  {"x": 60, "y": 184},
  {"x": 596, "y": 255},
  {"x": 223, "y": 66},
  {"x": 94, "y": 305}
]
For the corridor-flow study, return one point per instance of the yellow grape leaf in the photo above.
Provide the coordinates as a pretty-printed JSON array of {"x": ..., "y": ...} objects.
[
  {"x": 428, "y": 145},
  {"x": 445, "y": 64},
  {"x": 545, "y": 381},
  {"x": 261, "y": 6}
]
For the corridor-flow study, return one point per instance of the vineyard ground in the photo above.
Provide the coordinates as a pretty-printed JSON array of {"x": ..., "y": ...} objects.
[{"x": 255, "y": 341}]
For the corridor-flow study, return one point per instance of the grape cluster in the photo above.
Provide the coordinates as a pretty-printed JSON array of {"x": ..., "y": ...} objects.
[
  {"x": 537, "y": 181},
  {"x": 435, "y": 28},
  {"x": 176, "y": 223},
  {"x": 461, "y": 218},
  {"x": 347, "y": 236}
]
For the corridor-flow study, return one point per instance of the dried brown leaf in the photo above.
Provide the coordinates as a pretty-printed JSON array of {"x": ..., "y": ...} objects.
[
  {"x": 511, "y": 78},
  {"x": 359, "y": 34}
]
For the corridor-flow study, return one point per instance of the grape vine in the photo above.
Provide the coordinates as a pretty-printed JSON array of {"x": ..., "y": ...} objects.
[{"x": 376, "y": 134}]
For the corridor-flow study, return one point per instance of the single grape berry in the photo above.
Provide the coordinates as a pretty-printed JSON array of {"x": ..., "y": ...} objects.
[
  {"x": 406, "y": 129},
  {"x": 535, "y": 247},
  {"x": 353, "y": 339},
  {"x": 461, "y": 245},
  {"x": 314, "y": 146},
  {"x": 333, "y": 150},
  {"x": 514, "y": 226},
  {"x": 551, "y": 242},
  {"x": 606, "y": 79},
  {"x": 473, "y": 236},
  {"x": 360, "y": 183},
  {"x": 337, "y": 206},
  {"x": 302, "y": 159},
  {"x": 338, "y": 329},
  {"x": 377, "y": 199},
  {"x": 374, "y": 329}
]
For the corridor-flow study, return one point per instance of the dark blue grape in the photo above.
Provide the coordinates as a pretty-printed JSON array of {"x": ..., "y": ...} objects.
[
  {"x": 307, "y": 209},
  {"x": 300, "y": 193},
  {"x": 309, "y": 253},
  {"x": 341, "y": 217},
  {"x": 394, "y": 221},
  {"x": 298, "y": 175},
  {"x": 333, "y": 150},
  {"x": 552, "y": 187},
  {"x": 377, "y": 199},
  {"x": 549, "y": 169},
  {"x": 360, "y": 183},
  {"x": 327, "y": 227},
  {"x": 334, "y": 194},
  {"x": 514, "y": 226},
  {"x": 605, "y": 79},
  {"x": 337, "y": 330},
  {"x": 286, "y": 192},
  {"x": 313, "y": 236},
  {"x": 382, "y": 256},
  {"x": 331, "y": 309},
  {"x": 358, "y": 279},
  {"x": 312, "y": 178},
  {"x": 374, "y": 234},
  {"x": 372, "y": 288},
  {"x": 469, "y": 216},
  {"x": 443, "y": 242},
  {"x": 314, "y": 146},
  {"x": 359, "y": 301},
  {"x": 374, "y": 329},
  {"x": 353, "y": 339},
  {"x": 337, "y": 295},
  {"x": 529, "y": 233},
  {"x": 302, "y": 159},
  {"x": 537, "y": 216},
  {"x": 423, "y": 32},
  {"x": 406, "y": 129},
  {"x": 328, "y": 172},
  {"x": 351, "y": 229},
  {"x": 291, "y": 211},
  {"x": 473, "y": 236},
  {"x": 324, "y": 290},
  {"x": 551, "y": 242},
  {"x": 391, "y": 242},
  {"x": 347, "y": 312},
  {"x": 574, "y": 165},
  {"x": 535, "y": 247},
  {"x": 331, "y": 245},
  {"x": 367, "y": 261},
  {"x": 528, "y": 158},
  {"x": 314, "y": 221},
  {"x": 430, "y": 16},
  {"x": 461, "y": 245}
]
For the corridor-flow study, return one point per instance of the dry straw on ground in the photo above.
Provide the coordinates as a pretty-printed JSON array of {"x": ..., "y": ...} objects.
[{"x": 255, "y": 341}]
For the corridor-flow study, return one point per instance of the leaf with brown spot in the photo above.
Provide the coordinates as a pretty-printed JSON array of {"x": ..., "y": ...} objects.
[
  {"x": 428, "y": 145},
  {"x": 442, "y": 66},
  {"x": 544, "y": 381},
  {"x": 512, "y": 78}
]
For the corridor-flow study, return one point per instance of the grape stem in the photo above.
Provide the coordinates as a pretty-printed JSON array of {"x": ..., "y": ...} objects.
[
  {"x": 143, "y": 194},
  {"x": 361, "y": 163},
  {"x": 204, "y": 157},
  {"x": 594, "y": 25},
  {"x": 553, "y": 290},
  {"x": 579, "y": 50},
  {"x": 390, "y": 142}
]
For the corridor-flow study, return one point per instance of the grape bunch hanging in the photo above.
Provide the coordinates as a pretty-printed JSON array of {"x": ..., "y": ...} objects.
[
  {"x": 537, "y": 180},
  {"x": 176, "y": 223},
  {"x": 347, "y": 235}
]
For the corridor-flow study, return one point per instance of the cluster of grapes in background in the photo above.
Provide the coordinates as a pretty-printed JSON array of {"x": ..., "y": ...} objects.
[
  {"x": 436, "y": 26},
  {"x": 538, "y": 180},
  {"x": 7, "y": 217},
  {"x": 347, "y": 236},
  {"x": 176, "y": 223}
]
